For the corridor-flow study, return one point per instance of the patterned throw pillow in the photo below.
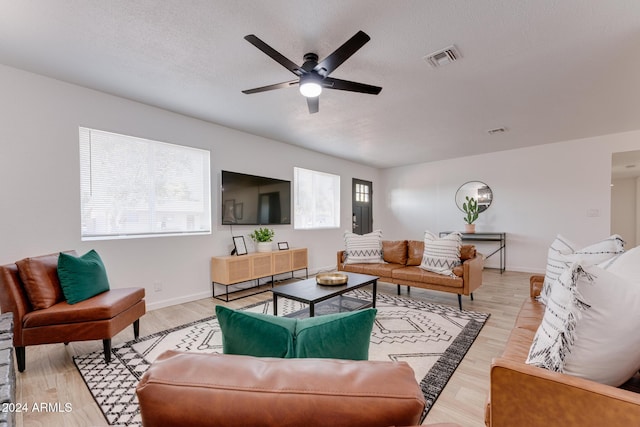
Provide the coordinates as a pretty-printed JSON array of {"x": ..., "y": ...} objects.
[
  {"x": 563, "y": 252},
  {"x": 555, "y": 334},
  {"x": 589, "y": 329},
  {"x": 366, "y": 248},
  {"x": 441, "y": 255}
]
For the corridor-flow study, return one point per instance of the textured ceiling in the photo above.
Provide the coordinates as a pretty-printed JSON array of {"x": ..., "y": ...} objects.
[{"x": 546, "y": 70}]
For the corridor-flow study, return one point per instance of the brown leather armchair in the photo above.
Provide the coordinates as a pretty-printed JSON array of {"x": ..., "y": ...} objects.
[{"x": 99, "y": 317}]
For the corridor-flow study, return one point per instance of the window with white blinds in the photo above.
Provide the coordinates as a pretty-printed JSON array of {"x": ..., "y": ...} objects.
[
  {"x": 316, "y": 199},
  {"x": 133, "y": 187}
]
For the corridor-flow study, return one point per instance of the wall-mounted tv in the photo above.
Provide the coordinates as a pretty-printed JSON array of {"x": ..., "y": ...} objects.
[{"x": 255, "y": 200}]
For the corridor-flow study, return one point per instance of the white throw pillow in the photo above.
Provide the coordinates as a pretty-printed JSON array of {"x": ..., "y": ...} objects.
[
  {"x": 626, "y": 264},
  {"x": 589, "y": 329},
  {"x": 366, "y": 248},
  {"x": 441, "y": 254},
  {"x": 606, "y": 338},
  {"x": 563, "y": 252}
]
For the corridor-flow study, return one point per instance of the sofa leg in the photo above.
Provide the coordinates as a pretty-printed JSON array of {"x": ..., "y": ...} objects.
[
  {"x": 460, "y": 301},
  {"x": 21, "y": 358},
  {"x": 106, "y": 344},
  {"x": 398, "y": 289},
  {"x": 136, "y": 328},
  {"x": 471, "y": 295},
  {"x": 408, "y": 289}
]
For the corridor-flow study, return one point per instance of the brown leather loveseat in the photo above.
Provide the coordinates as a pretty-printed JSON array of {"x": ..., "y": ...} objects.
[
  {"x": 210, "y": 390},
  {"x": 100, "y": 317},
  {"x": 528, "y": 396},
  {"x": 402, "y": 267}
]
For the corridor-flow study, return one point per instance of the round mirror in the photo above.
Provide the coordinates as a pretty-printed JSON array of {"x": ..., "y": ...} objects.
[{"x": 476, "y": 189}]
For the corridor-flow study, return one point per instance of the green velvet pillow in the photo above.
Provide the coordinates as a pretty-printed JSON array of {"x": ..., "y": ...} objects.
[
  {"x": 334, "y": 336},
  {"x": 81, "y": 277},
  {"x": 255, "y": 334}
]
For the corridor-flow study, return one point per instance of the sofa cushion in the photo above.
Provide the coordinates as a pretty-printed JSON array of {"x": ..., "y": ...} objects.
[
  {"x": 39, "y": 276},
  {"x": 518, "y": 345},
  {"x": 530, "y": 315},
  {"x": 415, "y": 252},
  {"x": 441, "y": 254},
  {"x": 563, "y": 252},
  {"x": 82, "y": 277},
  {"x": 590, "y": 326},
  {"x": 337, "y": 336},
  {"x": 395, "y": 251},
  {"x": 104, "y": 306},
  {"x": 458, "y": 270},
  {"x": 417, "y": 274},
  {"x": 366, "y": 248},
  {"x": 380, "y": 270}
]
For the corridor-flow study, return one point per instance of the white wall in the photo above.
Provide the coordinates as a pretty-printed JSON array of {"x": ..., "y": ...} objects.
[
  {"x": 40, "y": 193},
  {"x": 538, "y": 192}
]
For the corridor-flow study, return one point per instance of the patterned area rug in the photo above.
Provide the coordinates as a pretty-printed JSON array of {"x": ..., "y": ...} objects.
[{"x": 431, "y": 338}]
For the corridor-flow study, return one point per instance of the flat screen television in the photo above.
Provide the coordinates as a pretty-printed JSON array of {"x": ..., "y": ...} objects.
[{"x": 255, "y": 200}]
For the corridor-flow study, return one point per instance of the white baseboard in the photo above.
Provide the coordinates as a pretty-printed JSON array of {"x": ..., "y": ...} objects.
[{"x": 180, "y": 300}]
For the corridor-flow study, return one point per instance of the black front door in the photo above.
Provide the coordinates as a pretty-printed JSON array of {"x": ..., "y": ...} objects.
[{"x": 362, "y": 197}]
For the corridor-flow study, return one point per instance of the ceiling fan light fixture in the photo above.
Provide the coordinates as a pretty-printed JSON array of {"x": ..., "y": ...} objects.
[{"x": 310, "y": 87}]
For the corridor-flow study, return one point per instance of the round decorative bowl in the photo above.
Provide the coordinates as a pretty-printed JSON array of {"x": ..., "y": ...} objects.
[{"x": 331, "y": 279}]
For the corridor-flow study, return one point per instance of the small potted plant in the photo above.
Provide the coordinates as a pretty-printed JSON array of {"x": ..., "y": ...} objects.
[
  {"x": 263, "y": 238},
  {"x": 470, "y": 207}
]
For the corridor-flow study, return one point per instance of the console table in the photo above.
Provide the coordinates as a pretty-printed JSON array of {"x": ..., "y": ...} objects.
[
  {"x": 232, "y": 269},
  {"x": 499, "y": 237}
]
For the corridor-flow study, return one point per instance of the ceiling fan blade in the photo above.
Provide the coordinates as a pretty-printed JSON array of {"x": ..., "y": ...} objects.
[
  {"x": 271, "y": 87},
  {"x": 313, "y": 104},
  {"x": 331, "y": 83},
  {"x": 274, "y": 54},
  {"x": 341, "y": 54}
]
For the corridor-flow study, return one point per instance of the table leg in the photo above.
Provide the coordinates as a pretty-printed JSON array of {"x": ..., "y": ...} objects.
[
  {"x": 275, "y": 304},
  {"x": 375, "y": 285},
  {"x": 312, "y": 310}
]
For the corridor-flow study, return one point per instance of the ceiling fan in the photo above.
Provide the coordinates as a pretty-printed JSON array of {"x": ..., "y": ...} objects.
[{"x": 314, "y": 75}]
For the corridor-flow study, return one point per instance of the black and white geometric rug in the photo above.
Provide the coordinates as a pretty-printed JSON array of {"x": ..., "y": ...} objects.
[{"x": 431, "y": 338}]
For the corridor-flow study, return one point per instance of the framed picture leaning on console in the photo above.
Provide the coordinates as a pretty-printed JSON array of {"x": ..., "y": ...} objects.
[{"x": 240, "y": 246}]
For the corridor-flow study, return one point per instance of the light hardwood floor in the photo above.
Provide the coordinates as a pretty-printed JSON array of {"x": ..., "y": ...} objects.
[{"x": 51, "y": 376}]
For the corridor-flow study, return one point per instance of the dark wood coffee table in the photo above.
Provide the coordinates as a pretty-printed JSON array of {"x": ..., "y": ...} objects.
[{"x": 309, "y": 292}]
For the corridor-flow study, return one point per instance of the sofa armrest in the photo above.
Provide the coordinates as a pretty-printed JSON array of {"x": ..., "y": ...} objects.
[
  {"x": 472, "y": 273},
  {"x": 535, "y": 285},
  {"x": 526, "y": 395},
  {"x": 340, "y": 260}
]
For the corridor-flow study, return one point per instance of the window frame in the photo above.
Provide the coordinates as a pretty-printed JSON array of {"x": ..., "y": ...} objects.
[
  {"x": 187, "y": 208},
  {"x": 300, "y": 216}
]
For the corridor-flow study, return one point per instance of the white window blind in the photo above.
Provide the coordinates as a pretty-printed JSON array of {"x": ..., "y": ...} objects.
[
  {"x": 316, "y": 199},
  {"x": 134, "y": 187}
]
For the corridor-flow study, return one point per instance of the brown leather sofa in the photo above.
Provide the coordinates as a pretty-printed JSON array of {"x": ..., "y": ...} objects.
[
  {"x": 100, "y": 317},
  {"x": 210, "y": 390},
  {"x": 402, "y": 267},
  {"x": 528, "y": 396}
]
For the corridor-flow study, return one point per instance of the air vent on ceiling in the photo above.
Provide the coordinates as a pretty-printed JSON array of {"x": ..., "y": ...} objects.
[
  {"x": 443, "y": 57},
  {"x": 496, "y": 130}
]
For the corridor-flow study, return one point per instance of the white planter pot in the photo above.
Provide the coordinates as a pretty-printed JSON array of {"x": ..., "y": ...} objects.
[{"x": 264, "y": 246}]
